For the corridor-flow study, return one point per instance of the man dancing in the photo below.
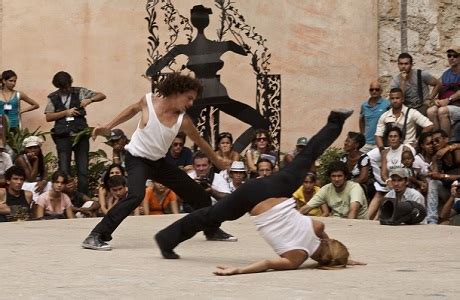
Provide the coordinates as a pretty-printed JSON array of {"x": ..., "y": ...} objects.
[{"x": 162, "y": 117}]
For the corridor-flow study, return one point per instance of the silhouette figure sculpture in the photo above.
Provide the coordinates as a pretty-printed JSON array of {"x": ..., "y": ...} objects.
[{"x": 204, "y": 60}]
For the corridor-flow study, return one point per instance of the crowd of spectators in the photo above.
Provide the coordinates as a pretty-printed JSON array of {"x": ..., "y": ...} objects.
[{"x": 407, "y": 147}]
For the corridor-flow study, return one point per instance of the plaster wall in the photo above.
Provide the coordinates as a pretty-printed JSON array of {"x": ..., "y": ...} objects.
[{"x": 324, "y": 51}]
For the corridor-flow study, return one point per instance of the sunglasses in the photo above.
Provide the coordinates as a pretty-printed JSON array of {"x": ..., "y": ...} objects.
[
  {"x": 261, "y": 139},
  {"x": 452, "y": 55},
  {"x": 374, "y": 90}
]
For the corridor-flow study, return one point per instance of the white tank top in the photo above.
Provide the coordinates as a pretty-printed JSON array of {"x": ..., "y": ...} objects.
[
  {"x": 285, "y": 229},
  {"x": 153, "y": 141}
]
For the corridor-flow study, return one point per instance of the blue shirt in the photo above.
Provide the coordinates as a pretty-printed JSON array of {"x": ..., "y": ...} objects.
[{"x": 371, "y": 116}]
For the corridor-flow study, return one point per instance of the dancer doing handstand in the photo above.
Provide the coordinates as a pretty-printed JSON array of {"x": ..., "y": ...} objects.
[{"x": 294, "y": 237}]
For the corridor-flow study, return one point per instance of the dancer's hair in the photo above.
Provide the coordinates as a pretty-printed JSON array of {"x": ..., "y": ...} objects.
[
  {"x": 177, "y": 83},
  {"x": 336, "y": 255}
]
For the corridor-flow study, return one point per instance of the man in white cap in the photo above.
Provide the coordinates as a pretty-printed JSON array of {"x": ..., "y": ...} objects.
[
  {"x": 446, "y": 110},
  {"x": 237, "y": 175}
]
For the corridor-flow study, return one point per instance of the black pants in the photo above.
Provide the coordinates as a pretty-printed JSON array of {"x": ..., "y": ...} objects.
[
  {"x": 64, "y": 150},
  {"x": 241, "y": 201},
  {"x": 141, "y": 169}
]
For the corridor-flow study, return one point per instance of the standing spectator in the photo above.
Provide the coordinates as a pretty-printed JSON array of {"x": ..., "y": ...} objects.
[
  {"x": 305, "y": 192},
  {"x": 344, "y": 198},
  {"x": 261, "y": 147},
  {"x": 415, "y": 84},
  {"x": 55, "y": 204},
  {"x": 160, "y": 200},
  {"x": 14, "y": 201},
  {"x": 371, "y": 110},
  {"x": 178, "y": 154},
  {"x": 10, "y": 100},
  {"x": 446, "y": 110},
  {"x": 402, "y": 116},
  {"x": 224, "y": 149},
  {"x": 301, "y": 143},
  {"x": 32, "y": 161},
  {"x": 66, "y": 108},
  {"x": 118, "y": 141}
]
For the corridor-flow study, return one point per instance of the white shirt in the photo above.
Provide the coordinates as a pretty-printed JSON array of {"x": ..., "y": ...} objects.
[
  {"x": 218, "y": 183},
  {"x": 414, "y": 118}
]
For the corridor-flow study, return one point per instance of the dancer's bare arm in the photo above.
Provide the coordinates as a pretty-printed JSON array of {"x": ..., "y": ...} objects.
[
  {"x": 289, "y": 261},
  {"x": 127, "y": 114},
  {"x": 190, "y": 130}
]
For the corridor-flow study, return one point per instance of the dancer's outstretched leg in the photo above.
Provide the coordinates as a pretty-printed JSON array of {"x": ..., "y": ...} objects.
[{"x": 241, "y": 201}]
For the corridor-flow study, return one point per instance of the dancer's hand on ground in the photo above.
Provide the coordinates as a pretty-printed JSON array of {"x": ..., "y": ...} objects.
[
  {"x": 226, "y": 271},
  {"x": 100, "y": 130}
]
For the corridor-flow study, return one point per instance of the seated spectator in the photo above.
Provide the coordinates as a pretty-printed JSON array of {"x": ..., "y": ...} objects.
[
  {"x": 305, "y": 192},
  {"x": 55, "y": 204},
  {"x": 5, "y": 164},
  {"x": 422, "y": 161},
  {"x": 445, "y": 169},
  {"x": 301, "y": 143},
  {"x": 446, "y": 110},
  {"x": 391, "y": 159},
  {"x": 213, "y": 183},
  {"x": 82, "y": 205},
  {"x": 179, "y": 155},
  {"x": 400, "y": 190},
  {"x": 14, "y": 201},
  {"x": 358, "y": 163},
  {"x": 31, "y": 160},
  {"x": 261, "y": 144},
  {"x": 160, "y": 200},
  {"x": 236, "y": 175},
  {"x": 344, "y": 198},
  {"x": 264, "y": 167},
  {"x": 118, "y": 141},
  {"x": 116, "y": 185},
  {"x": 452, "y": 207},
  {"x": 106, "y": 199},
  {"x": 224, "y": 149}
]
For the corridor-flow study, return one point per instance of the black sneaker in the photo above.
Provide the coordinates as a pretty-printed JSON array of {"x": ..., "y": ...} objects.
[
  {"x": 340, "y": 114},
  {"x": 95, "y": 242},
  {"x": 167, "y": 254},
  {"x": 220, "y": 235}
]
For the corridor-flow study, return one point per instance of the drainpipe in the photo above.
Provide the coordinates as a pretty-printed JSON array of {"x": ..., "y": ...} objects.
[{"x": 403, "y": 25}]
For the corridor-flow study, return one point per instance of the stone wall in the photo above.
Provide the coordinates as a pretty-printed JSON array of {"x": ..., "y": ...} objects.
[{"x": 432, "y": 27}]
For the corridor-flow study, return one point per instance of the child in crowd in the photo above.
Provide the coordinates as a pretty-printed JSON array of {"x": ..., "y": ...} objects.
[{"x": 414, "y": 180}]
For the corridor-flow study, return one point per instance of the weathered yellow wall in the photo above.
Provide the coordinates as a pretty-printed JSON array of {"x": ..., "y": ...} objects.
[{"x": 325, "y": 51}]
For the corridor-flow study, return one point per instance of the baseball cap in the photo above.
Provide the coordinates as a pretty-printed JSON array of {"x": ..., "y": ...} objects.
[
  {"x": 237, "y": 166},
  {"x": 401, "y": 172},
  {"x": 302, "y": 141},
  {"x": 454, "y": 49},
  {"x": 116, "y": 134}
]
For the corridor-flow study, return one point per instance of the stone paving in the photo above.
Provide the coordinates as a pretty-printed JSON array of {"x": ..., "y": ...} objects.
[{"x": 43, "y": 259}]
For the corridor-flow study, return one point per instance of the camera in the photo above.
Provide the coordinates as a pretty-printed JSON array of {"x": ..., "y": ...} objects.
[{"x": 203, "y": 182}]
